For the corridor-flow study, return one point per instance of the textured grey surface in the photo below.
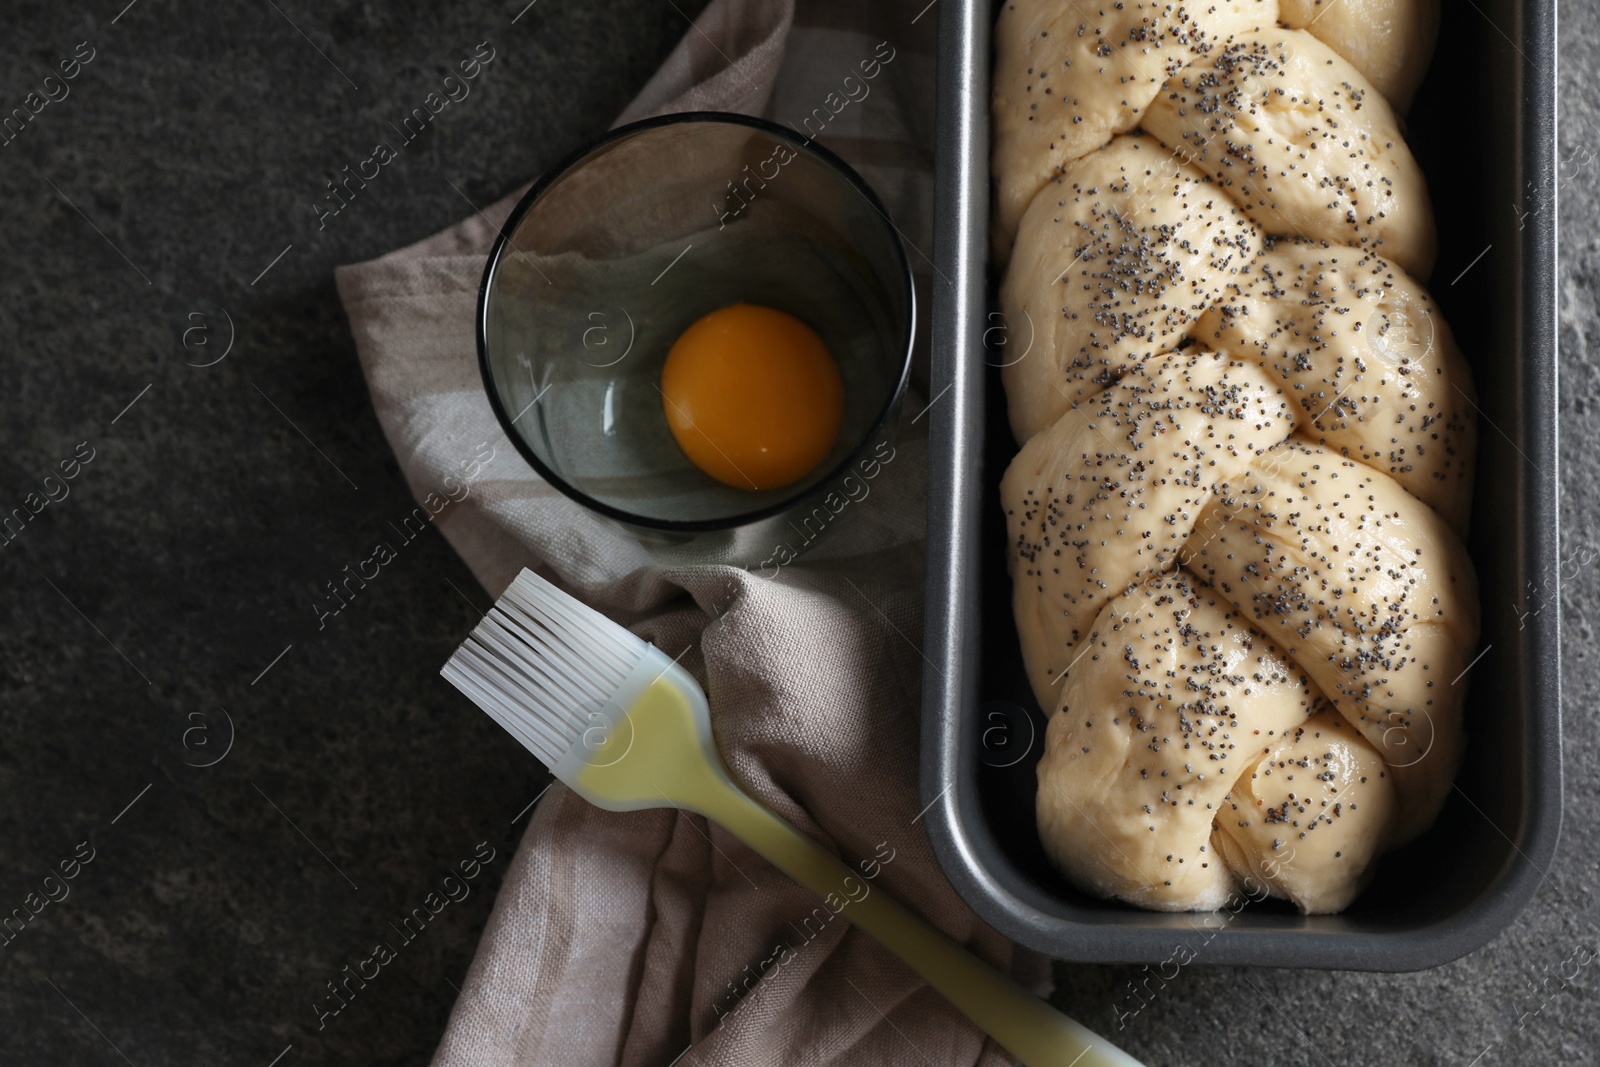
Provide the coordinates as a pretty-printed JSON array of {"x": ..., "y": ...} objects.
[
  {"x": 197, "y": 539},
  {"x": 189, "y": 551}
]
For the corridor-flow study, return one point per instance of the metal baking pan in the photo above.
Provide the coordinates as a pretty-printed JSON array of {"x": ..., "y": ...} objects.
[{"x": 1494, "y": 189}]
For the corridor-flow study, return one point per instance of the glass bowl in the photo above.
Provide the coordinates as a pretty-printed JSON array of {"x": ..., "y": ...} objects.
[{"x": 618, "y": 249}]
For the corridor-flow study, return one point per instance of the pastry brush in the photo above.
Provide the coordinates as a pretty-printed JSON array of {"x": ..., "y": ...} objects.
[{"x": 626, "y": 727}]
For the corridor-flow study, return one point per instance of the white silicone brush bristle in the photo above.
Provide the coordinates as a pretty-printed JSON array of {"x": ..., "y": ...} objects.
[{"x": 544, "y": 665}]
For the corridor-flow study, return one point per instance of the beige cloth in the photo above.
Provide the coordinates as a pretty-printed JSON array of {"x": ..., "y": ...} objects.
[{"x": 638, "y": 938}]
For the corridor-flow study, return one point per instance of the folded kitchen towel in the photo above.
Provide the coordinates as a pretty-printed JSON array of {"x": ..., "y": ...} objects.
[{"x": 653, "y": 937}]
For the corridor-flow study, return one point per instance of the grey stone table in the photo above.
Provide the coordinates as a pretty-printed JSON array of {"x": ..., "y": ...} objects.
[{"x": 159, "y": 608}]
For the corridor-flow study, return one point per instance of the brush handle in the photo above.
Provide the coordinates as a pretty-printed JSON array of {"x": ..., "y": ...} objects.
[
  {"x": 1026, "y": 1026},
  {"x": 654, "y": 747}
]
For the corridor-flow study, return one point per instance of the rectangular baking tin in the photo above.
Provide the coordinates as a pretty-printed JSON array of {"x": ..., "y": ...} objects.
[{"x": 1450, "y": 892}]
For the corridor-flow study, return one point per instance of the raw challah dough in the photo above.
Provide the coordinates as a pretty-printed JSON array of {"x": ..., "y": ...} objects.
[
  {"x": 1247, "y": 440},
  {"x": 1370, "y": 365},
  {"x": 1177, "y": 696},
  {"x": 1308, "y": 819},
  {"x": 1388, "y": 41},
  {"x": 1301, "y": 142},
  {"x": 1364, "y": 587},
  {"x": 1117, "y": 259},
  {"x": 1109, "y": 495},
  {"x": 1069, "y": 76}
]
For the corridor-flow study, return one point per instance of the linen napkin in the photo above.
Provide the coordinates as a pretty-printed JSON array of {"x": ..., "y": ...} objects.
[{"x": 654, "y": 937}]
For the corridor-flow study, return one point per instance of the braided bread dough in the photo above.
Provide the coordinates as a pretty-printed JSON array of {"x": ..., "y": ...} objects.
[
  {"x": 1246, "y": 458},
  {"x": 1301, "y": 142},
  {"x": 1367, "y": 589},
  {"x": 1068, "y": 76},
  {"x": 1371, "y": 367},
  {"x": 1309, "y": 812},
  {"x": 1388, "y": 41},
  {"x": 1116, "y": 261},
  {"x": 1119, "y": 768}
]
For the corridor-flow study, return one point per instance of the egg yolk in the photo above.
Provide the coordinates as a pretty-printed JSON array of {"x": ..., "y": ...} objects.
[{"x": 752, "y": 396}]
